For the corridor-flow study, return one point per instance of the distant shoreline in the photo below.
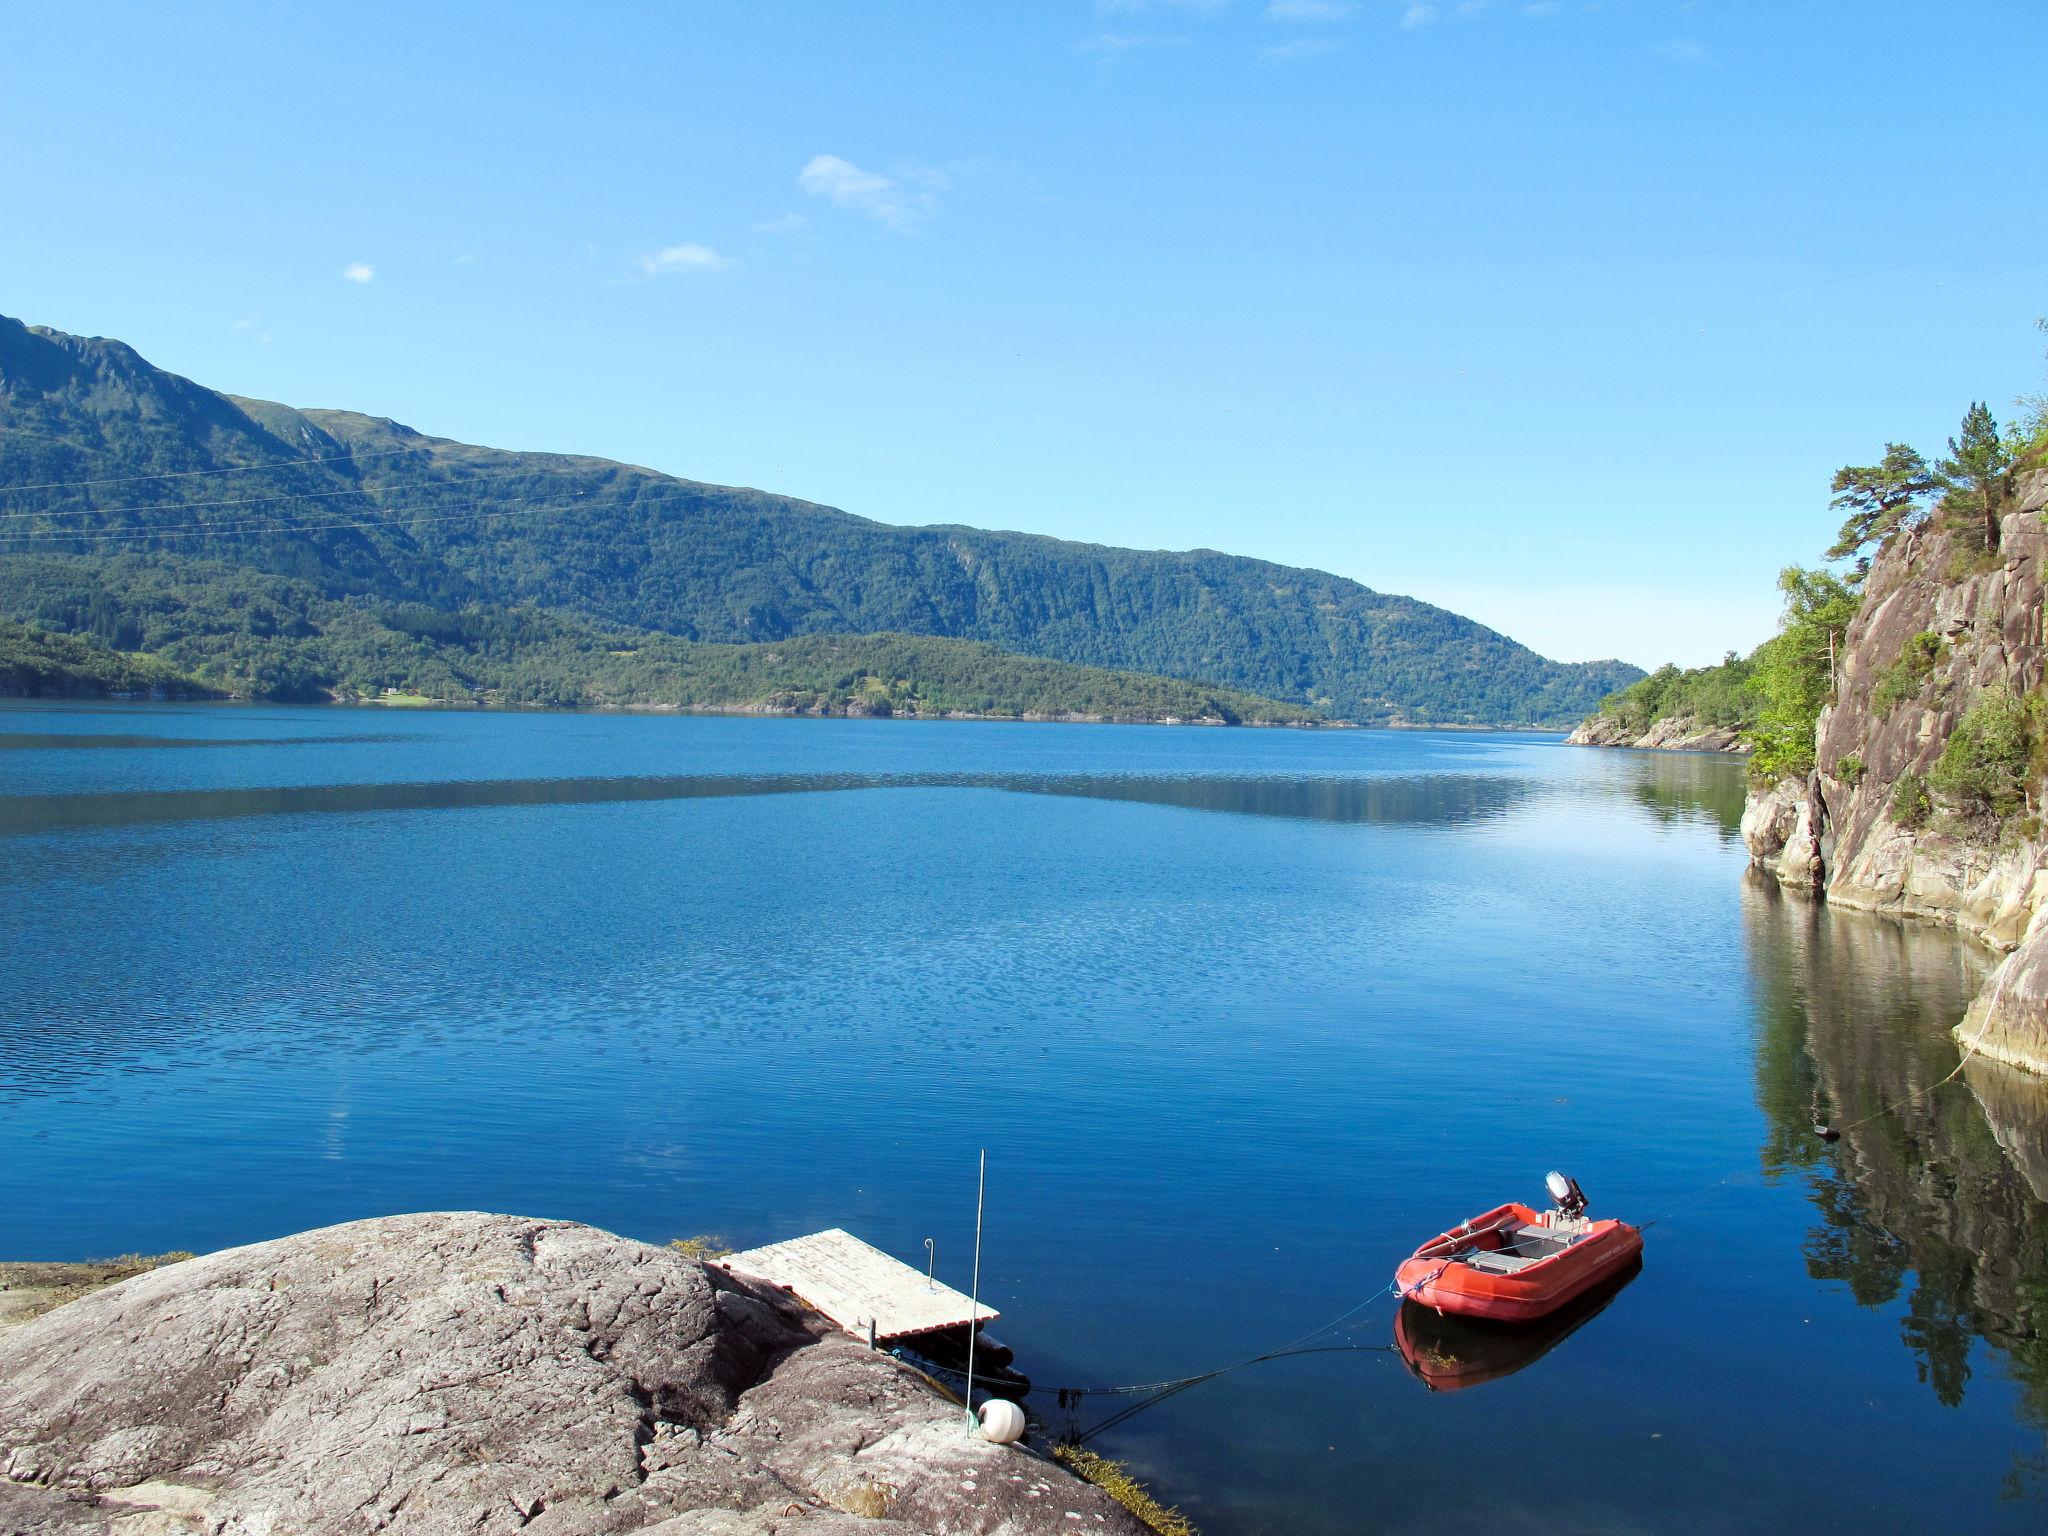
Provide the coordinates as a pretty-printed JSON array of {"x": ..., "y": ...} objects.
[{"x": 766, "y": 712}]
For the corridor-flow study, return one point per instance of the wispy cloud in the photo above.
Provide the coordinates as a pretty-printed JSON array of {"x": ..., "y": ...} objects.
[
  {"x": 359, "y": 271},
  {"x": 1683, "y": 50},
  {"x": 1300, "y": 48},
  {"x": 687, "y": 257},
  {"x": 1110, "y": 45},
  {"x": 1416, "y": 14},
  {"x": 1309, "y": 10},
  {"x": 1141, "y": 7},
  {"x": 901, "y": 202},
  {"x": 781, "y": 224}
]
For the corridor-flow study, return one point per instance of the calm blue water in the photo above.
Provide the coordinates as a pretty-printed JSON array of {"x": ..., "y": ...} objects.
[{"x": 1240, "y": 1017}]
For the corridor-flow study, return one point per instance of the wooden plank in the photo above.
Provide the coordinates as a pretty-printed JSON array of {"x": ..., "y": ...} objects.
[{"x": 855, "y": 1284}]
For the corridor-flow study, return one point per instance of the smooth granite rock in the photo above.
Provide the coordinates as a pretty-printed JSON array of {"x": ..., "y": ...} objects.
[
  {"x": 1673, "y": 733},
  {"x": 463, "y": 1372}
]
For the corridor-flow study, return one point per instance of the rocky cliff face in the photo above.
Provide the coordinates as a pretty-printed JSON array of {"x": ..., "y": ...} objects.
[
  {"x": 1674, "y": 733},
  {"x": 462, "y": 1372},
  {"x": 1834, "y": 832}
]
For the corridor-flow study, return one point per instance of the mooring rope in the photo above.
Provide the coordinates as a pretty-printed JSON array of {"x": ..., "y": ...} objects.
[
  {"x": 1072, "y": 1395},
  {"x": 1153, "y": 1393}
]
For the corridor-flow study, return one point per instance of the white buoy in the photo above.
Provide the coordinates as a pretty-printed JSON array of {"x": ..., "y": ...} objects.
[{"x": 1002, "y": 1421}]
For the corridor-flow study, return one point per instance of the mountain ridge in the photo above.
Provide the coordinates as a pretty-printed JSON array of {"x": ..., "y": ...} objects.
[{"x": 367, "y": 507}]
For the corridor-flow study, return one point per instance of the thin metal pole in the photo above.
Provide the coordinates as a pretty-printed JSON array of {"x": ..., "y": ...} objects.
[{"x": 974, "y": 1297}]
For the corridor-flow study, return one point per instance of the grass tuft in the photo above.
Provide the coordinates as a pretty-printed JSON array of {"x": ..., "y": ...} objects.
[
  {"x": 704, "y": 1246},
  {"x": 1114, "y": 1479}
]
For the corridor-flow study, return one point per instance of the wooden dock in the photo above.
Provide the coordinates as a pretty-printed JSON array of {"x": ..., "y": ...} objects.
[{"x": 859, "y": 1287}]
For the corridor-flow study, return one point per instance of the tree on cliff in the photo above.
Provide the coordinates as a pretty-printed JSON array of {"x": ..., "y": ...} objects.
[
  {"x": 1879, "y": 498},
  {"x": 1976, "y": 477},
  {"x": 2029, "y": 434},
  {"x": 1793, "y": 674}
]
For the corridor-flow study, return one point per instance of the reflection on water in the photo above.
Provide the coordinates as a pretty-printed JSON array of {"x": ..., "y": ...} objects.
[
  {"x": 1447, "y": 1354},
  {"x": 47, "y": 741},
  {"x": 1229, "y": 1068},
  {"x": 1936, "y": 1191},
  {"x": 1691, "y": 786},
  {"x": 1434, "y": 800}
]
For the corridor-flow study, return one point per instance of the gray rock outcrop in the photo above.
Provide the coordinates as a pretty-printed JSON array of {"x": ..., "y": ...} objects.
[
  {"x": 487, "y": 1374},
  {"x": 1834, "y": 833},
  {"x": 1673, "y": 733}
]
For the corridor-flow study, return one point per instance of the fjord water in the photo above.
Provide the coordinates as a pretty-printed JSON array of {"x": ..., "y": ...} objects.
[{"x": 1241, "y": 1017}]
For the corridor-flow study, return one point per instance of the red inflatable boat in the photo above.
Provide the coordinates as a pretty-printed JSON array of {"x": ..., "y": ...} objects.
[{"x": 1514, "y": 1264}]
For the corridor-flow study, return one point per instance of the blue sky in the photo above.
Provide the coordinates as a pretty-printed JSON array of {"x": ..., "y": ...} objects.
[{"x": 1558, "y": 314}]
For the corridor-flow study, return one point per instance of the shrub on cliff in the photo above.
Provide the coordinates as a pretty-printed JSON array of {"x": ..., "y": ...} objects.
[
  {"x": 1911, "y": 804},
  {"x": 1984, "y": 770},
  {"x": 1902, "y": 680}
]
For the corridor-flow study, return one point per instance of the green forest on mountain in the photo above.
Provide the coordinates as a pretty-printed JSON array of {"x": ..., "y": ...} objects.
[
  {"x": 227, "y": 630},
  {"x": 156, "y": 494}
]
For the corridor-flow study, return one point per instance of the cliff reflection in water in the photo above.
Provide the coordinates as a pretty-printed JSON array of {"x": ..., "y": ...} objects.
[
  {"x": 1701, "y": 787},
  {"x": 1420, "y": 800},
  {"x": 1937, "y": 1194}
]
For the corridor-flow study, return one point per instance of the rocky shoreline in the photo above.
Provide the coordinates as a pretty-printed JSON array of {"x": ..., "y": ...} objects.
[
  {"x": 1677, "y": 733},
  {"x": 488, "y": 1374},
  {"x": 1838, "y": 832}
]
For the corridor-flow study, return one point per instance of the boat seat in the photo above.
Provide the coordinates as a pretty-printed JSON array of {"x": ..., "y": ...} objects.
[
  {"x": 1543, "y": 1241},
  {"x": 1496, "y": 1261},
  {"x": 1525, "y": 1246}
]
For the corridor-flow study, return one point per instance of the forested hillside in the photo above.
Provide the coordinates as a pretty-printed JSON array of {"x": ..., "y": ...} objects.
[
  {"x": 104, "y": 456},
  {"x": 202, "y": 629},
  {"x": 35, "y": 664}
]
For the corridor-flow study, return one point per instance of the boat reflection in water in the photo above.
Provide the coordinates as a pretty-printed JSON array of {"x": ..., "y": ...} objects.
[{"x": 1447, "y": 1353}]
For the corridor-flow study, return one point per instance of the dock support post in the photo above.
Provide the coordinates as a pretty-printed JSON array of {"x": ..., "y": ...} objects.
[{"x": 974, "y": 1295}]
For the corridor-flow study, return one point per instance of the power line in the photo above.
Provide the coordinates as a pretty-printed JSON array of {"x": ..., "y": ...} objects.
[{"x": 218, "y": 530}]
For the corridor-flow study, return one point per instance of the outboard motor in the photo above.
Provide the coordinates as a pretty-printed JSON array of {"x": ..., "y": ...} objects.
[{"x": 1564, "y": 1189}]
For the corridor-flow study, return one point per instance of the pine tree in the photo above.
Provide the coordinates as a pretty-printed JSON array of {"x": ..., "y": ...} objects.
[
  {"x": 1878, "y": 497},
  {"x": 1976, "y": 477}
]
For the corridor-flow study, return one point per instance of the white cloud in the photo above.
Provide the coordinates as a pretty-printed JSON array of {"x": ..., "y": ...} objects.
[
  {"x": 1418, "y": 16},
  {"x": 1683, "y": 50},
  {"x": 464, "y": 259},
  {"x": 688, "y": 257},
  {"x": 1300, "y": 48},
  {"x": 359, "y": 271},
  {"x": 1309, "y": 10},
  {"x": 901, "y": 202},
  {"x": 1541, "y": 9},
  {"x": 781, "y": 224}
]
